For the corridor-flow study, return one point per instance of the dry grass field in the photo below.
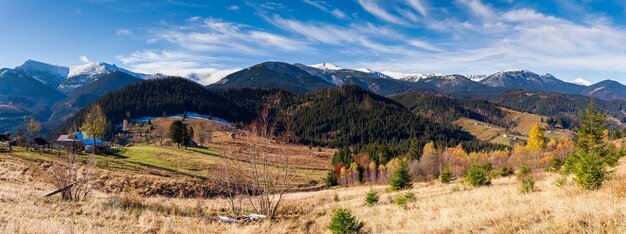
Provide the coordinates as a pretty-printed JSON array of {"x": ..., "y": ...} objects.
[
  {"x": 439, "y": 208},
  {"x": 522, "y": 123}
]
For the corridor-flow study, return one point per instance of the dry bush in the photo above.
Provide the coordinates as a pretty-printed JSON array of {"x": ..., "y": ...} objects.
[{"x": 69, "y": 172}]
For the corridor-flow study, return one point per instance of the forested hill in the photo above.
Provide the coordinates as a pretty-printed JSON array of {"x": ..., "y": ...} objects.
[
  {"x": 445, "y": 109},
  {"x": 349, "y": 115},
  {"x": 160, "y": 97},
  {"x": 557, "y": 104}
]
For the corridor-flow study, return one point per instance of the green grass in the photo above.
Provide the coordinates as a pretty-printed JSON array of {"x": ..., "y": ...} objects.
[{"x": 160, "y": 161}]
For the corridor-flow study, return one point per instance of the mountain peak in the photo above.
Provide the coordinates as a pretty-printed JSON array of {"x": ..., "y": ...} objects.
[
  {"x": 48, "y": 74},
  {"x": 326, "y": 66}
]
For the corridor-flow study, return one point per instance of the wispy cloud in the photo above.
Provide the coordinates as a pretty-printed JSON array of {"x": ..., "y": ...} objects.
[
  {"x": 84, "y": 59},
  {"x": 215, "y": 35},
  {"x": 324, "y": 6},
  {"x": 123, "y": 32}
]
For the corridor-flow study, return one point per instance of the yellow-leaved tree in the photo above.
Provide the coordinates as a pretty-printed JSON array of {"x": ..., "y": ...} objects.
[
  {"x": 94, "y": 125},
  {"x": 536, "y": 140}
]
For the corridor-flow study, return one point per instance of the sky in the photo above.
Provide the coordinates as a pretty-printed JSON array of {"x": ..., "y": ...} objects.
[{"x": 207, "y": 40}]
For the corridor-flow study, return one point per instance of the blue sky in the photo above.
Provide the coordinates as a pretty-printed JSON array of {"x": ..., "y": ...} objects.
[{"x": 209, "y": 39}]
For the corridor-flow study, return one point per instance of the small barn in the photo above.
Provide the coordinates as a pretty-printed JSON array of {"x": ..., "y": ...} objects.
[
  {"x": 41, "y": 144},
  {"x": 5, "y": 140}
]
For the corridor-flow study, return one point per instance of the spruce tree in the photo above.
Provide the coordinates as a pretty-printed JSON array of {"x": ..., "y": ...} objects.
[
  {"x": 177, "y": 132},
  {"x": 414, "y": 151},
  {"x": 446, "y": 175},
  {"x": 401, "y": 178},
  {"x": 372, "y": 197},
  {"x": 344, "y": 222},
  {"x": 588, "y": 160}
]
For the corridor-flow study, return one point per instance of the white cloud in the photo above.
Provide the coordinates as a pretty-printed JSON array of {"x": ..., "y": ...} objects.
[
  {"x": 324, "y": 6},
  {"x": 84, "y": 59},
  {"x": 233, "y": 8},
  {"x": 182, "y": 64},
  {"x": 377, "y": 10},
  {"x": 478, "y": 8},
  {"x": 214, "y": 35},
  {"x": 123, "y": 32},
  {"x": 419, "y": 6}
]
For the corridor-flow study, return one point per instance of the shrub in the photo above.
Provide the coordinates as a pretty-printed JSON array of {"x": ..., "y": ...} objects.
[
  {"x": 555, "y": 165},
  {"x": 404, "y": 199},
  {"x": 371, "y": 198},
  {"x": 344, "y": 222},
  {"x": 331, "y": 180},
  {"x": 336, "y": 197},
  {"x": 525, "y": 177},
  {"x": 506, "y": 171},
  {"x": 446, "y": 175},
  {"x": 560, "y": 182},
  {"x": 477, "y": 176},
  {"x": 401, "y": 178}
]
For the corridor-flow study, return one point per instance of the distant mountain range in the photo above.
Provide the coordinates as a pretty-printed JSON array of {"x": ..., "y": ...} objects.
[
  {"x": 51, "y": 93},
  {"x": 299, "y": 78}
]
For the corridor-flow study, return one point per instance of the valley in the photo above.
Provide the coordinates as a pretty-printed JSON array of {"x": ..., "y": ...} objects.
[{"x": 306, "y": 141}]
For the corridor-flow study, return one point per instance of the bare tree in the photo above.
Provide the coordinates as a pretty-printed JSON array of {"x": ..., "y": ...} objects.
[
  {"x": 74, "y": 178},
  {"x": 267, "y": 179},
  {"x": 32, "y": 129},
  {"x": 203, "y": 134},
  {"x": 161, "y": 132}
]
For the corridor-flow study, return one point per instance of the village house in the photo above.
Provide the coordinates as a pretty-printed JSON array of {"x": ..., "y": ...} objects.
[{"x": 77, "y": 142}]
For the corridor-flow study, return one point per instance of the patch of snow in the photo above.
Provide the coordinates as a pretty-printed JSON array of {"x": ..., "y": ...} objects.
[
  {"x": 582, "y": 81},
  {"x": 326, "y": 66}
]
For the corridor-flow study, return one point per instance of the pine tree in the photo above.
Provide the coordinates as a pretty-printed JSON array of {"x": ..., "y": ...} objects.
[
  {"x": 177, "y": 132},
  {"x": 372, "y": 197},
  {"x": 331, "y": 179},
  {"x": 446, "y": 175},
  {"x": 477, "y": 176},
  {"x": 401, "y": 178},
  {"x": 536, "y": 139},
  {"x": 414, "y": 151},
  {"x": 344, "y": 222},
  {"x": 588, "y": 160}
]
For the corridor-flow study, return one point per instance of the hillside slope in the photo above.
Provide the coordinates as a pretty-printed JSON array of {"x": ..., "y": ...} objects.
[{"x": 162, "y": 96}]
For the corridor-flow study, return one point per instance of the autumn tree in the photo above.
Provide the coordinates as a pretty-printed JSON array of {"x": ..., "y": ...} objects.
[
  {"x": 536, "y": 140},
  {"x": 94, "y": 125},
  {"x": 32, "y": 129}
]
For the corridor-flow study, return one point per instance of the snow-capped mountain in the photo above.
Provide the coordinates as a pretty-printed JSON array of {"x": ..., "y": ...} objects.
[
  {"x": 89, "y": 73},
  {"x": 376, "y": 73},
  {"x": 48, "y": 74},
  {"x": 326, "y": 66},
  {"x": 476, "y": 78},
  {"x": 525, "y": 79}
]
